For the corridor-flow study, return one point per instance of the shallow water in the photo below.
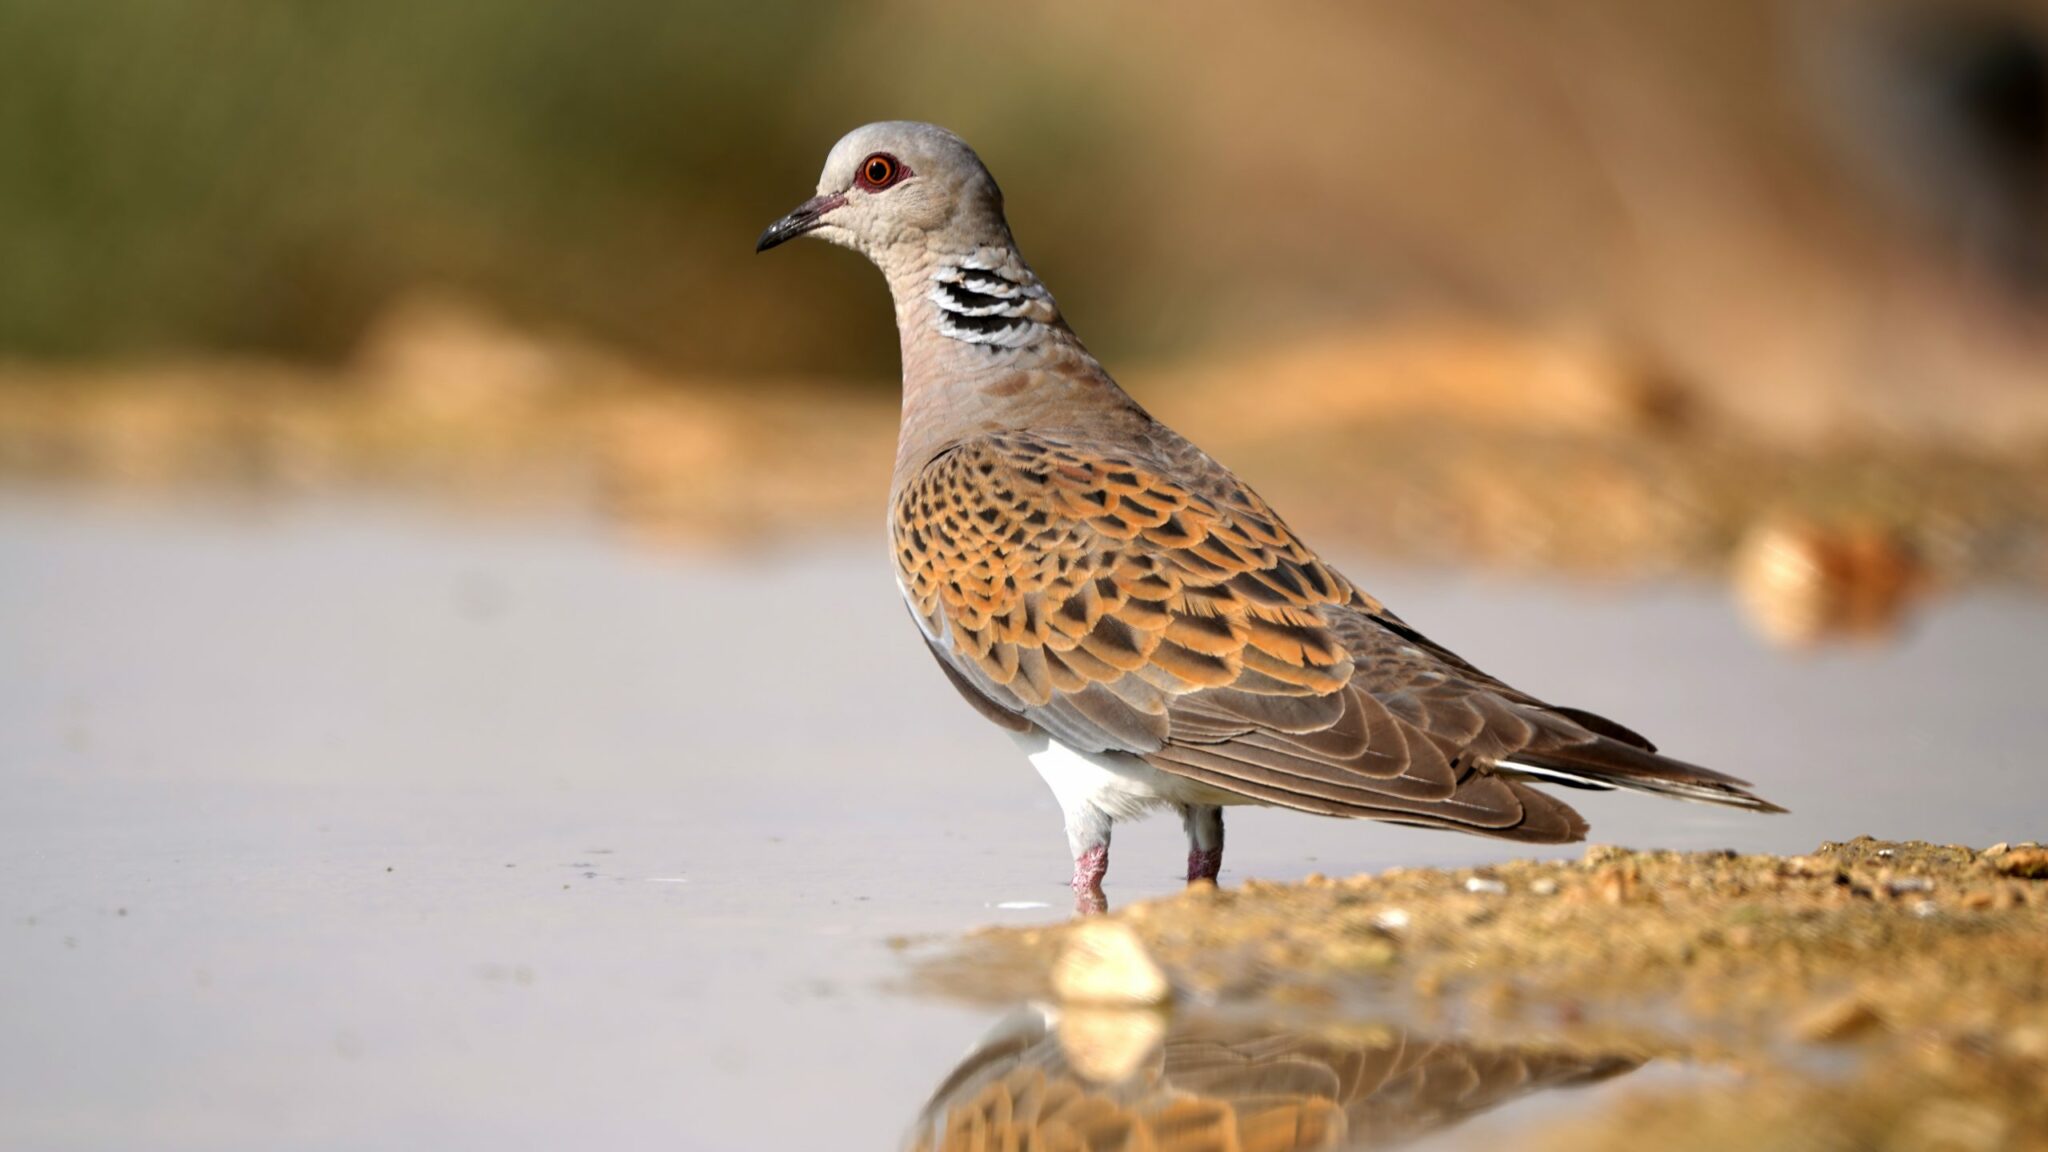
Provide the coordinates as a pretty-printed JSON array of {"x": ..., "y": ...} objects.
[{"x": 343, "y": 826}]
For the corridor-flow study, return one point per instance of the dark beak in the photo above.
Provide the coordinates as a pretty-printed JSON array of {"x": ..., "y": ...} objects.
[{"x": 808, "y": 215}]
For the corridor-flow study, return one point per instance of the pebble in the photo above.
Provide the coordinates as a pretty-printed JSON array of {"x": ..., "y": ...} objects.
[
  {"x": 1812, "y": 866},
  {"x": 1840, "y": 1019},
  {"x": 1616, "y": 886},
  {"x": 2025, "y": 863},
  {"x": 1486, "y": 885},
  {"x": 1803, "y": 581}
]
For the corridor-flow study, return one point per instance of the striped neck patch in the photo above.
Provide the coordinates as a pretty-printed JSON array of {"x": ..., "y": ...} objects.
[{"x": 989, "y": 301}]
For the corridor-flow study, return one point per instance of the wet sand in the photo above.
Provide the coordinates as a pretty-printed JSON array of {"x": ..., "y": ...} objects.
[
  {"x": 1870, "y": 994},
  {"x": 333, "y": 825}
]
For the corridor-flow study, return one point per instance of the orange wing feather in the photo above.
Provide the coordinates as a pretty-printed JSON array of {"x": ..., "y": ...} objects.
[{"x": 1081, "y": 590}]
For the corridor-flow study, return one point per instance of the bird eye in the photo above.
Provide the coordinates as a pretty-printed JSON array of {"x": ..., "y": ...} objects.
[{"x": 879, "y": 171}]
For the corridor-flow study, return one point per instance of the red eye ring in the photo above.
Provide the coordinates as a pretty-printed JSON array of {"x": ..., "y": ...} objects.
[{"x": 879, "y": 171}]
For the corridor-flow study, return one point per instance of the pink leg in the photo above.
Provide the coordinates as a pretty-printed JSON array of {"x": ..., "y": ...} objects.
[
  {"x": 1205, "y": 841},
  {"x": 1089, "y": 869}
]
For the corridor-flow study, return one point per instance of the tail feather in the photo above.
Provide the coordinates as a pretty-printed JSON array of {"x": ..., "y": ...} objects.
[
  {"x": 1601, "y": 726},
  {"x": 1605, "y": 764}
]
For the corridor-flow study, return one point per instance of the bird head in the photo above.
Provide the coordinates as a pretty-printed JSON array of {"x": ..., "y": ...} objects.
[{"x": 898, "y": 185}]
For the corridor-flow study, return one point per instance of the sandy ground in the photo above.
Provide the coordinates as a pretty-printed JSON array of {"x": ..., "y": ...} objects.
[
  {"x": 1868, "y": 995},
  {"x": 1924, "y": 968},
  {"x": 336, "y": 825}
]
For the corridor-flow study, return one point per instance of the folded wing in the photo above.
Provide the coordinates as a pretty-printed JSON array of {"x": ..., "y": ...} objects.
[{"x": 1079, "y": 589}]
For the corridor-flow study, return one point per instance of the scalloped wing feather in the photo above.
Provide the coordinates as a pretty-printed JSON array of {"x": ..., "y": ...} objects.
[{"x": 1087, "y": 591}]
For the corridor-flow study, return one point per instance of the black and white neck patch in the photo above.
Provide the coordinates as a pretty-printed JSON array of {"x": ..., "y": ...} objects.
[{"x": 990, "y": 301}]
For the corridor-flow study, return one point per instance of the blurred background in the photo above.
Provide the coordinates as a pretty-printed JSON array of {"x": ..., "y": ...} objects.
[
  {"x": 451, "y": 687},
  {"x": 1558, "y": 284}
]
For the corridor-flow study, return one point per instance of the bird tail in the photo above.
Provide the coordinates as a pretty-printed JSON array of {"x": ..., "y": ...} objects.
[{"x": 1606, "y": 763}]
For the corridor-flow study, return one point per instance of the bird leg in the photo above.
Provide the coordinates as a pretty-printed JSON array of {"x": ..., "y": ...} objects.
[
  {"x": 1088, "y": 829},
  {"x": 1204, "y": 823},
  {"x": 1089, "y": 868}
]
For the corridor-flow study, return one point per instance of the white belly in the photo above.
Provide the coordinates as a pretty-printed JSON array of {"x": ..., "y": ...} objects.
[{"x": 1119, "y": 786}]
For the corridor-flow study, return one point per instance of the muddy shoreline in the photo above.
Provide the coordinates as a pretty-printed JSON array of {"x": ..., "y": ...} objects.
[{"x": 1868, "y": 994}]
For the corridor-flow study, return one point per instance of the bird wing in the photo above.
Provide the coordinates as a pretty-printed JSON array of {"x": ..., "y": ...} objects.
[{"x": 1089, "y": 591}]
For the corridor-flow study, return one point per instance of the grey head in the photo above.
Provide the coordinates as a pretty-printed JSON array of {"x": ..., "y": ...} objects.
[
  {"x": 983, "y": 342},
  {"x": 898, "y": 187}
]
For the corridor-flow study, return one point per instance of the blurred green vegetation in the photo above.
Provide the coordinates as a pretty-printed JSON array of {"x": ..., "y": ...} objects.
[
  {"x": 1800, "y": 210},
  {"x": 1557, "y": 279},
  {"x": 265, "y": 176}
]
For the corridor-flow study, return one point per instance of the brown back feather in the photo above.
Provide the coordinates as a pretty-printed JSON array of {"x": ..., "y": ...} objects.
[{"x": 1089, "y": 591}]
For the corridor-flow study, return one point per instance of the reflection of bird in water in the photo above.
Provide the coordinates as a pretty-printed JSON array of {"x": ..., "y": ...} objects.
[
  {"x": 1038, "y": 1082},
  {"x": 1149, "y": 628}
]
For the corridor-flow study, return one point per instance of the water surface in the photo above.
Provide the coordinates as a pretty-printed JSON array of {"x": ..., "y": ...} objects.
[{"x": 342, "y": 826}]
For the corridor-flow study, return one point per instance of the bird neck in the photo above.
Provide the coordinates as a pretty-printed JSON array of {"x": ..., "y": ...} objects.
[{"x": 985, "y": 349}]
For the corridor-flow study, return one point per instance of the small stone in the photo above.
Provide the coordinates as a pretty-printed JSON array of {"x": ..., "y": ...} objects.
[
  {"x": 1543, "y": 887},
  {"x": 2024, "y": 863},
  {"x": 1486, "y": 886},
  {"x": 1844, "y": 1018},
  {"x": 1900, "y": 885},
  {"x": 1813, "y": 866},
  {"x": 1804, "y": 581},
  {"x": 1617, "y": 885},
  {"x": 1998, "y": 849},
  {"x": 1393, "y": 920},
  {"x": 1105, "y": 963}
]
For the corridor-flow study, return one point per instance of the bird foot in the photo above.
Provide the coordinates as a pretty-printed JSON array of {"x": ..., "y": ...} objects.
[{"x": 1204, "y": 864}]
